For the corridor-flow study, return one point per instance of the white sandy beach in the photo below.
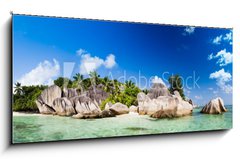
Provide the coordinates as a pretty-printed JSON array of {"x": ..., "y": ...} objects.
[{"x": 27, "y": 114}]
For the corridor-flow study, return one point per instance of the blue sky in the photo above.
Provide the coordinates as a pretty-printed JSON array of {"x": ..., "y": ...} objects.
[{"x": 44, "y": 47}]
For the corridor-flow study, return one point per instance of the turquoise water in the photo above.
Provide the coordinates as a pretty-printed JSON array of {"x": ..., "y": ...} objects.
[{"x": 51, "y": 128}]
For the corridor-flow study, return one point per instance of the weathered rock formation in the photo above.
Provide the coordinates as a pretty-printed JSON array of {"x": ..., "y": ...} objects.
[
  {"x": 45, "y": 100},
  {"x": 215, "y": 106},
  {"x": 108, "y": 113},
  {"x": 133, "y": 109},
  {"x": 158, "y": 89},
  {"x": 67, "y": 103},
  {"x": 69, "y": 92},
  {"x": 63, "y": 107},
  {"x": 191, "y": 102},
  {"x": 97, "y": 93},
  {"x": 84, "y": 104},
  {"x": 161, "y": 104},
  {"x": 119, "y": 108}
]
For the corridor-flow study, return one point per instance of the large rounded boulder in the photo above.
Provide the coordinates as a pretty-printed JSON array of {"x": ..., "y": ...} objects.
[
  {"x": 119, "y": 108},
  {"x": 45, "y": 100},
  {"x": 50, "y": 93},
  {"x": 215, "y": 106},
  {"x": 163, "y": 106}
]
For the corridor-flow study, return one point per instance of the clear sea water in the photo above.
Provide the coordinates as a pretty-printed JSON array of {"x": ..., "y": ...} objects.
[{"x": 29, "y": 128}]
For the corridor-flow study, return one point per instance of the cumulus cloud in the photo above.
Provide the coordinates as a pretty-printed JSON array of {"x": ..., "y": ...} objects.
[
  {"x": 223, "y": 38},
  {"x": 81, "y": 51},
  {"x": 157, "y": 79},
  {"x": 43, "y": 74},
  {"x": 224, "y": 57},
  {"x": 189, "y": 30},
  {"x": 89, "y": 63},
  {"x": 222, "y": 78},
  {"x": 110, "y": 61}
]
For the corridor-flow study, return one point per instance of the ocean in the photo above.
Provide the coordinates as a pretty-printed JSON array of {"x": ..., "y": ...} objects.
[{"x": 40, "y": 128}]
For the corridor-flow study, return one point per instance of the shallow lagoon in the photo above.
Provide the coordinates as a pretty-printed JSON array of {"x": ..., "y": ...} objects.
[{"x": 38, "y": 128}]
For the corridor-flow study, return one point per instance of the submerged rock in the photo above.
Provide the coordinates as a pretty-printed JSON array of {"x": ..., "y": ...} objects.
[
  {"x": 215, "y": 106},
  {"x": 167, "y": 113},
  {"x": 108, "y": 113},
  {"x": 88, "y": 114},
  {"x": 63, "y": 107},
  {"x": 119, "y": 108}
]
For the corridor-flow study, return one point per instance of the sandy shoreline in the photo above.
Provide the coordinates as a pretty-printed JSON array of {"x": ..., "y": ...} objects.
[
  {"x": 27, "y": 114},
  {"x": 38, "y": 114}
]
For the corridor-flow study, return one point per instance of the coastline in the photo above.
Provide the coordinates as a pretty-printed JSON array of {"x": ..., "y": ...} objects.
[{"x": 14, "y": 113}]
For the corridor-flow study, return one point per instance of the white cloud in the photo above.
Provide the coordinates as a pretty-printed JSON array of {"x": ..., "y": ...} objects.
[
  {"x": 157, "y": 79},
  {"x": 90, "y": 63},
  {"x": 210, "y": 57},
  {"x": 224, "y": 57},
  {"x": 227, "y": 38},
  {"x": 110, "y": 61},
  {"x": 81, "y": 51},
  {"x": 189, "y": 30},
  {"x": 42, "y": 74},
  {"x": 198, "y": 97},
  {"x": 222, "y": 79},
  {"x": 217, "y": 40}
]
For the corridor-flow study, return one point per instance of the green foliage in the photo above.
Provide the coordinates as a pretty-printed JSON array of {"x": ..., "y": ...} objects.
[
  {"x": 95, "y": 78},
  {"x": 175, "y": 82},
  {"x": 25, "y": 101},
  {"x": 78, "y": 82},
  {"x": 128, "y": 96},
  {"x": 61, "y": 82}
]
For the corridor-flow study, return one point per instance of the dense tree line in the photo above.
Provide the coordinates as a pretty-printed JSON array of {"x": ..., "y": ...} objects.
[{"x": 24, "y": 97}]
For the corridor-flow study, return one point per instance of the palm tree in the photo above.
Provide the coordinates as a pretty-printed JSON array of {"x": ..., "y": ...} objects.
[
  {"x": 116, "y": 86},
  {"x": 129, "y": 84},
  {"x": 78, "y": 81},
  {"x": 78, "y": 77},
  {"x": 94, "y": 77},
  {"x": 107, "y": 84},
  {"x": 145, "y": 91},
  {"x": 18, "y": 88}
]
